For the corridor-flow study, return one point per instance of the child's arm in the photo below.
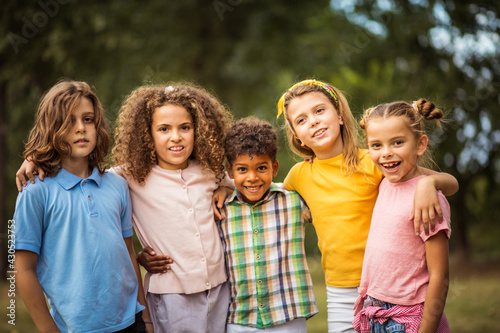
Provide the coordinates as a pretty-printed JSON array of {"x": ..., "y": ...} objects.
[
  {"x": 218, "y": 200},
  {"x": 28, "y": 169},
  {"x": 154, "y": 263},
  {"x": 436, "y": 249},
  {"x": 31, "y": 291},
  {"x": 426, "y": 204},
  {"x": 141, "y": 297}
]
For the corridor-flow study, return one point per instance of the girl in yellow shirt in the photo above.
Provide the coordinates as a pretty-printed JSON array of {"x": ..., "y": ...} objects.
[{"x": 340, "y": 187}]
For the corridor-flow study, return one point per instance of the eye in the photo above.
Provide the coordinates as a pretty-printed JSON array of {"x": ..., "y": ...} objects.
[
  {"x": 163, "y": 129},
  {"x": 186, "y": 127},
  {"x": 375, "y": 145},
  {"x": 241, "y": 169},
  {"x": 300, "y": 121},
  {"x": 262, "y": 168},
  {"x": 398, "y": 142},
  {"x": 320, "y": 110},
  {"x": 88, "y": 120}
]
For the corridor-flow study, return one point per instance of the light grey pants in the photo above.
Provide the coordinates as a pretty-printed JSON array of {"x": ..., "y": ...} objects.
[{"x": 204, "y": 312}]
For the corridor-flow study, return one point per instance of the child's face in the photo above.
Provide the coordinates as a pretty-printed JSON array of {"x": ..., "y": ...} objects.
[
  {"x": 394, "y": 148},
  {"x": 173, "y": 136},
  {"x": 253, "y": 175},
  {"x": 83, "y": 135},
  {"x": 316, "y": 123}
]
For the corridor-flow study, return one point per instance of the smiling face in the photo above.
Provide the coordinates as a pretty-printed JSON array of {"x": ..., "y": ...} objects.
[
  {"x": 173, "y": 136},
  {"x": 82, "y": 136},
  {"x": 316, "y": 123},
  {"x": 252, "y": 175},
  {"x": 394, "y": 148}
]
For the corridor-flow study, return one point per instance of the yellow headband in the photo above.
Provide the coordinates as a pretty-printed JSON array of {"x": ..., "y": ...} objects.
[{"x": 328, "y": 89}]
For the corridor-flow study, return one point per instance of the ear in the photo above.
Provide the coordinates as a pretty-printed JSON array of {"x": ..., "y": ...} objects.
[
  {"x": 229, "y": 170},
  {"x": 422, "y": 145},
  {"x": 276, "y": 166},
  {"x": 341, "y": 121}
]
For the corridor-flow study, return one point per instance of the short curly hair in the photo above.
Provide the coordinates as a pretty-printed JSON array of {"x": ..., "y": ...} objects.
[
  {"x": 251, "y": 136},
  {"x": 134, "y": 148}
]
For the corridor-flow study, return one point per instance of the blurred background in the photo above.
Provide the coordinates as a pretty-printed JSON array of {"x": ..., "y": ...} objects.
[{"x": 248, "y": 53}]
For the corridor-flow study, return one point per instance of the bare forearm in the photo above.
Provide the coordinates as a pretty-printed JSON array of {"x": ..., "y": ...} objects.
[
  {"x": 141, "y": 297},
  {"x": 34, "y": 299},
  {"x": 434, "y": 305},
  {"x": 443, "y": 181}
]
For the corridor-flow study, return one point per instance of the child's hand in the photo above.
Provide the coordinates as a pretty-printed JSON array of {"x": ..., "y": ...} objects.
[
  {"x": 28, "y": 169},
  {"x": 154, "y": 263},
  {"x": 218, "y": 199},
  {"x": 425, "y": 206}
]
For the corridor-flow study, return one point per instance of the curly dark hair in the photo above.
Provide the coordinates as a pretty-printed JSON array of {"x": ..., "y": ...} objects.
[
  {"x": 47, "y": 146},
  {"x": 134, "y": 149},
  {"x": 251, "y": 136}
]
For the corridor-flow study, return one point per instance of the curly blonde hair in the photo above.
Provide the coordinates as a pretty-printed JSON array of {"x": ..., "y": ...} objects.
[
  {"x": 134, "y": 148},
  {"x": 47, "y": 146}
]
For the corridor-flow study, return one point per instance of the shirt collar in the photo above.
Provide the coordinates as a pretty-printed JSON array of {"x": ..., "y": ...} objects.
[
  {"x": 236, "y": 196},
  {"x": 68, "y": 180}
]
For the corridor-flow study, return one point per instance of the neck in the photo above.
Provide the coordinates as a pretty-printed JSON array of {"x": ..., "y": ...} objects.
[{"x": 78, "y": 167}]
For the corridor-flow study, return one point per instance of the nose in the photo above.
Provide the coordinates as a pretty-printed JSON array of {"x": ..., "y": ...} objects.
[
  {"x": 79, "y": 126},
  {"x": 176, "y": 136},
  {"x": 252, "y": 176},
  {"x": 386, "y": 152},
  {"x": 313, "y": 120}
]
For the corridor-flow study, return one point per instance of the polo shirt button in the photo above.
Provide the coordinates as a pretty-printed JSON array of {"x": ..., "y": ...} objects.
[
  {"x": 90, "y": 199},
  {"x": 83, "y": 183}
]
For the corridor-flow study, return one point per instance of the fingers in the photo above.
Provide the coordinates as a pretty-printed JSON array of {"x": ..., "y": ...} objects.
[
  {"x": 149, "y": 251},
  {"x": 20, "y": 181}
]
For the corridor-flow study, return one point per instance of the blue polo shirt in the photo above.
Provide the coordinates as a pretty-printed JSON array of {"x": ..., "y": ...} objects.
[{"x": 77, "y": 226}]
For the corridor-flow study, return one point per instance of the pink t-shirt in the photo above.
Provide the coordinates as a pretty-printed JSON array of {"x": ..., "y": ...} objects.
[
  {"x": 172, "y": 213},
  {"x": 394, "y": 266}
]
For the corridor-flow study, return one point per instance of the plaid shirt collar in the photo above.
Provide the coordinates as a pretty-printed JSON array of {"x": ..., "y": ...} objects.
[{"x": 236, "y": 196}]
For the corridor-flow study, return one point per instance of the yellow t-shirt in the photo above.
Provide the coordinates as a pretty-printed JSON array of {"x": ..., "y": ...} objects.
[{"x": 341, "y": 208}]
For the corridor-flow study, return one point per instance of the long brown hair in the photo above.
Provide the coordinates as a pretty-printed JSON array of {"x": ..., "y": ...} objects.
[{"x": 46, "y": 146}]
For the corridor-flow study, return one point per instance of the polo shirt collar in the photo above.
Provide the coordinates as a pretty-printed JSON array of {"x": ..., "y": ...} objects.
[
  {"x": 236, "y": 196},
  {"x": 67, "y": 180}
]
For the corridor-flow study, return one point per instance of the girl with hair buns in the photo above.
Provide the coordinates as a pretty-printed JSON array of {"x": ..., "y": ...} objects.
[
  {"x": 340, "y": 187},
  {"x": 405, "y": 276}
]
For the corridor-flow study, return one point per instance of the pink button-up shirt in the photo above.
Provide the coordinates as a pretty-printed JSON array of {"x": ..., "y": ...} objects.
[{"x": 172, "y": 213}]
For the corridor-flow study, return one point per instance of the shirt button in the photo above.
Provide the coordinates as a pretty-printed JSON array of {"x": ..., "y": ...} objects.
[
  {"x": 90, "y": 199},
  {"x": 184, "y": 186},
  {"x": 261, "y": 306},
  {"x": 190, "y": 209},
  {"x": 197, "y": 234},
  {"x": 258, "y": 257},
  {"x": 254, "y": 208},
  {"x": 259, "y": 282},
  {"x": 202, "y": 259},
  {"x": 83, "y": 183},
  {"x": 256, "y": 231},
  {"x": 208, "y": 284}
]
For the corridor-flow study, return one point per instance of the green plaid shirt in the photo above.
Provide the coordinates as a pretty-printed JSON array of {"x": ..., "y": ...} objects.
[{"x": 265, "y": 258}]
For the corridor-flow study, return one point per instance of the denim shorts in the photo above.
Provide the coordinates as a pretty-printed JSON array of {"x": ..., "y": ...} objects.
[{"x": 390, "y": 326}]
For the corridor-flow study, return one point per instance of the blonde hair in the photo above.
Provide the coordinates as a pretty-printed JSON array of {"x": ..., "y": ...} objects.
[
  {"x": 414, "y": 114},
  {"x": 134, "y": 148},
  {"x": 47, "y": 146},
  {"x": 348, "y": 131}
]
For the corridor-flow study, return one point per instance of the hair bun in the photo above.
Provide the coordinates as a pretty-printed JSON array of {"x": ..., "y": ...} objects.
[{"x": 427, "y": 109}]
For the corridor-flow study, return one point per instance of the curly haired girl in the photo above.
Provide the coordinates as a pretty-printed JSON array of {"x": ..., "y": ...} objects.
[{"x": 169, "y": 148}]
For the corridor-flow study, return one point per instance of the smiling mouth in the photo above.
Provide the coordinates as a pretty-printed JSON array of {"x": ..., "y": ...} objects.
[
  {"x": 176, "y": 149},
  {"x": 390, "y": 166},
  {"x": 253, "y": 188},
  {"x": 318, "y": 133}
]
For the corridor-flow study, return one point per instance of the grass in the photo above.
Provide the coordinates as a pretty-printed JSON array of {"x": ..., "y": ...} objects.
[{"x": 473, "y": 303}]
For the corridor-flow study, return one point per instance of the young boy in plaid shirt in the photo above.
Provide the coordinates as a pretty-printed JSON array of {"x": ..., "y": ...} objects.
[{"x": 263, "y": 238}]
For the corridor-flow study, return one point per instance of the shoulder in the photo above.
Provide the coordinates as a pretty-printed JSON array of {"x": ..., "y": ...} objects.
[{"x": 367, "y": 164}]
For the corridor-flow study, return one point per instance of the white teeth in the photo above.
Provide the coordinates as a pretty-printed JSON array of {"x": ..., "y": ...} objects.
[
  {"x": 176, "y": 148},
  {"x": 253, "y": 188},
  {"x": 319, "y": 132}
]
